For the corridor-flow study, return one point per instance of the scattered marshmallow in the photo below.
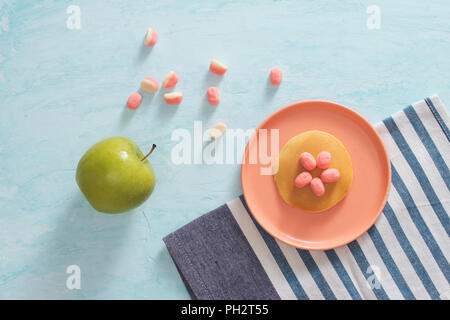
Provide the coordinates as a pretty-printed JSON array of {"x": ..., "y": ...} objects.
[
  {"x": 150, "y": 37},
  {"x": 134, "y": 101},
  {"x": 217, "y": 130},
  {"x": 276, "y": 75},
  {"x": 173, "y": 97},
  {"x": 149, "y": 85},
  {"x": 171, "y": 80},
  {"x": 307, "y": 161},
  {"x": 303, "y": 179},
  {"x": 317, "y": 187},
  {"x": 213, "y": 96},
  {"x": 330, "y": 175},
  {"x": 217, "y": 67},
  {"x": 323, "y": 160}
]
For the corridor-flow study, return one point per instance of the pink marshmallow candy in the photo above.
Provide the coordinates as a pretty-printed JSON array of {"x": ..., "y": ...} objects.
[
  {"x": 173, "y": 97},
  {"x": 217, "y": 67},
  {"x": 303, "y": 179},
  {"x": 213, "y": 96},
  {"x": 276, "y": 75},
  {"x": 149, "y": 85},
  {"x": 171, "y": 80},
  {"x": 330, "y": 175},
  {"x": 307, "y": 161},
  {"x": 323, "y": 160},
  {"x": 134, "y": 101},
  {"x": 150, "y": 37},
  {"x": 317, "y": 187}
]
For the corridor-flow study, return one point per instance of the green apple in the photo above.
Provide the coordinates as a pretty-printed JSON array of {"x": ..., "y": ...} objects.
[{"x": 115, "y": 176}]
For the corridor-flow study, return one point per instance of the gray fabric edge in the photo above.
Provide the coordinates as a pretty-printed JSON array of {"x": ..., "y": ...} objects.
[{"x": 215, "y": 260}]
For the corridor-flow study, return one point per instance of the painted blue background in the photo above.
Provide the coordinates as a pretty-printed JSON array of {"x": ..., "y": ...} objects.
[{"x": 62, "y": 90}]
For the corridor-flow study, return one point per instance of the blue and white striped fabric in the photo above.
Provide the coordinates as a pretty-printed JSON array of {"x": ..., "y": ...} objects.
[{"x": 226, "y": 255}]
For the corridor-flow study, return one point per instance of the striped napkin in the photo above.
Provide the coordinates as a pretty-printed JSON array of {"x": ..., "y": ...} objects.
[{"x": 225, "y": 254}]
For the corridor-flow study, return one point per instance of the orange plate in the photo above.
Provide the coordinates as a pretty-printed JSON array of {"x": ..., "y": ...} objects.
[{"x": 351, "y": 217}]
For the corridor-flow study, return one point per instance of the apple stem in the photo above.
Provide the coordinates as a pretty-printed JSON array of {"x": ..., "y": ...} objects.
[{"x": 151, "y": 150}]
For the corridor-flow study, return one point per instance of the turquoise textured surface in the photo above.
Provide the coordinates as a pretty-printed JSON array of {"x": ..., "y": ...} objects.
[{"x": 63, "y": 89}]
